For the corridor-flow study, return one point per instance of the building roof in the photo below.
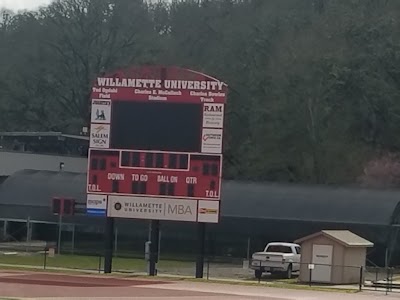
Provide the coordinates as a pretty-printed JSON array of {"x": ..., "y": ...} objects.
[
  {"x": 11, "y": 162},
  {"x": 317, "y": 203},
  {"x": 42, "y": 134},
  {"x": 37, "y": 188},
  {"x": 263, "y": 201},
  {"x": 344, "y": 237}
]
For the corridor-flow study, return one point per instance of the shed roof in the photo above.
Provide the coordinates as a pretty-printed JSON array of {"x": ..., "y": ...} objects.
[
  {"x": 344, "y": 237},
  {"x": 268, "y": 201}
]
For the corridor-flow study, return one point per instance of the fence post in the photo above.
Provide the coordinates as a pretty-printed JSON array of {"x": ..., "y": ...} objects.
[
  {"x": 45, "y": 259},
  {"x": 361, "y": 279},
  {"x": 387, "y": 280},
  {"x": 208, "y": 268},
  {"x": 259, "y": 277},
  {"x": 248, "y": 248},
  {"x": 99, "y": 263},
  {"x": 310, "y": 279}
]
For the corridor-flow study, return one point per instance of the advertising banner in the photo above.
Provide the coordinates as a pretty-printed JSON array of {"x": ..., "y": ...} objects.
[
  {"x": 208, "y": 211},
  {"x": 211, "y": 140},
  {"x": 99, "y": 136},
  {"x": 213, "y": 115},
  {"x": 152, "y": 208},
  {"x": 101, "y": 111},
  {"x": 96, "y": 205}
]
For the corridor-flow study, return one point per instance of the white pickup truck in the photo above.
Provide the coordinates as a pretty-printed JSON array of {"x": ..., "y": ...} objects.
[{"x": 277, "y": 258}]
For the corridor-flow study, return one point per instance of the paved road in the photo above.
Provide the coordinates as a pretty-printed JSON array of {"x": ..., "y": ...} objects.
[{"x": 67, "y": 287}]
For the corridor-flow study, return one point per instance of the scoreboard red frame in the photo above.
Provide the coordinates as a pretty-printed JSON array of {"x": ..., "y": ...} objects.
[
  {"x": 199, "y": 178},
  {"x": 156, "y": 172}
]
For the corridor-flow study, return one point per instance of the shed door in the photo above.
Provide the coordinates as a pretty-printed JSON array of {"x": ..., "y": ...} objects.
[{"x": 322, "y": 260}]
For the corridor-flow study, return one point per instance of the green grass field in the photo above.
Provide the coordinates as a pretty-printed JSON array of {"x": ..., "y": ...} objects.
[{"x": 87, "y": 262}]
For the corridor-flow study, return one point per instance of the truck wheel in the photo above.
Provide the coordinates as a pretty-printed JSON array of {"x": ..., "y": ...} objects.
[
  {"x": 289, "y": 272},
  {"x": 258, "y": 274}
]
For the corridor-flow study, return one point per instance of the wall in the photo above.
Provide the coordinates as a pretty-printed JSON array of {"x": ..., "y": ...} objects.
[
  {"x": 306, "y": 258},
  {"x": 354, "y": 258}
]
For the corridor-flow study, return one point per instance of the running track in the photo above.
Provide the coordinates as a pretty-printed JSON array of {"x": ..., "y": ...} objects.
[{"x": 33, "y": 285}]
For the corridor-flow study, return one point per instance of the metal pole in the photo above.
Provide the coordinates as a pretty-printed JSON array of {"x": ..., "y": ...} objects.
[
  {"x": 148, "y": 250},
  {"x": 387, "y": 281},
  {"x": 116, "y": 241},
  {"x": 30, "y": 230},
  {"x": 391, "y": 278},
  {"x": 248, "y": 248},
  {"x": 386, "y": 257},
  {"x": 27, "y": 233},
  {"x": 99, "y": 263},
  {"x": 5, "y": 229},
  {"x": 361, "y": 278},
  {"x": 73, "y": 239},
  {"x": 208, "y": 268},
  {"x": 159, "y": 245},
  {"x": 27, "y": 229},
  {"x": 154, "y": 238},
  {"x": 59, "y": 233},
  {"x": 201, "y": 236},
  {"x": 45, "y": 259},
  {"x": 109, "y": 239}
]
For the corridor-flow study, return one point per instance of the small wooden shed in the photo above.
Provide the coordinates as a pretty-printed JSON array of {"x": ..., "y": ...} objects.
[{"x": 332, "y": 257}]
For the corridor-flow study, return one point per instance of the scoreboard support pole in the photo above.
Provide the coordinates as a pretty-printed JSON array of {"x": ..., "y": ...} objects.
[
  {"x": 201, "y": 238},
  {"x": 154, "y": 246},
  {"x": 109, "y": 241}
]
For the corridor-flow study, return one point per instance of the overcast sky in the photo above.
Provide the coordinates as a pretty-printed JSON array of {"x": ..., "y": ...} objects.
[{"x": 22, "y": 4}]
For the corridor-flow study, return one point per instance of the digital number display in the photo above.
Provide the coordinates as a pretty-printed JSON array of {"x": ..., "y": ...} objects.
[{"x": 201, "y": 179}]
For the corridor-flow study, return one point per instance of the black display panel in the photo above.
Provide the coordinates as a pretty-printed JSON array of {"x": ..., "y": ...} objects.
[{"x": 156, "y": 126}]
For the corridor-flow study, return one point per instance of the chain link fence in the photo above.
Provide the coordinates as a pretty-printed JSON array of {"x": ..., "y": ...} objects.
[
  {"x": 82, "y": 248},
  {"x": 43, "y": 255}
]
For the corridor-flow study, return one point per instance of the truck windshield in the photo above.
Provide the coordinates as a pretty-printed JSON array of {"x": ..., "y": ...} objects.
[{"x": 279, "y": 248}]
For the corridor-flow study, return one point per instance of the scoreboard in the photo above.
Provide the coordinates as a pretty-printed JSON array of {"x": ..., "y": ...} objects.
[
  {"x": 156, "y": 146},
  {"x": 176, "y": 175}
]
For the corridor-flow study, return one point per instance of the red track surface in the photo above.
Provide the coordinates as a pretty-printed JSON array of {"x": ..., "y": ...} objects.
[
  {"x": 72, "y": 281},
  {"x": 48, "y": 285}
]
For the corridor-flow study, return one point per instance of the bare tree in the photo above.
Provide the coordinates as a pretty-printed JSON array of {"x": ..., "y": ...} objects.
[{"x": 382, "y": 172}]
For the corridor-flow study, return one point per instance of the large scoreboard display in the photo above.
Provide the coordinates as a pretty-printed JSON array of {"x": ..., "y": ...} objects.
[{"x": 156, "y": 145}]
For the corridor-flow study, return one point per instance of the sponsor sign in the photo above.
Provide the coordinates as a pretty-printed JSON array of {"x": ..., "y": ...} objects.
[
  {"x": 213, "y": 115},
  {"x": 101, "y": 111},
  {"x": 99, "y": 136},
  {"x": 152, "y": 208},
  {"x": 96, "y": 205},
  {"x": 208, "y": 211},
  {"x": 211, "y": 140}
]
